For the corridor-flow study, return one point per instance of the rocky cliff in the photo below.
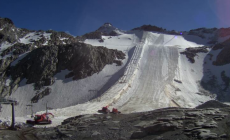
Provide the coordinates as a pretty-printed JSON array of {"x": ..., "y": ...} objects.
[{"x": 39, "y": 55}]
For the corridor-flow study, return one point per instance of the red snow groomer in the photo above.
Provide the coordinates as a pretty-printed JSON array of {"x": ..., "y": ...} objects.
[
  {"x": 104, "y": 110},
  {"x": 41, "y": 119},
  {"x": 115, "y": 111}
]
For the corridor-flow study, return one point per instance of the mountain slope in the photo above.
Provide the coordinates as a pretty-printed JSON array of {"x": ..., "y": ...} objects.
[
  {"x": 160, "y": 69},
  {"x": 36, "y": 72}
]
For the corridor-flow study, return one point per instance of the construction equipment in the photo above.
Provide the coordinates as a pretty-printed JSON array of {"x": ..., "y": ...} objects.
[
  {"x": 41, "y": 119},
  {"x": 104, "y": 110},
  {"x": 115, "y": 111}
]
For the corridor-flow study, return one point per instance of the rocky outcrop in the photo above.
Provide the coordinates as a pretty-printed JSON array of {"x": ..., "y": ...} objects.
[
  {"x": 223, "y": 32},
  {"x": 150, "y": 28},
  {"x": 226, "y": 80},
  {"x": 202, "y": 30},
  {"x": 41, "y": 95},
  {"x": 5, "y": 21},
  {"x": 81, "y": 59},
  {"x": 37, "y": 66},
  {"x": 218, "y": 46},
  {"x": 92, "y": 35},
  {"x": 60, "y": 38},
  {"x": 9, "y": 32},
  {"x": 107, "y": 30},
  {"x": 17, "y": 49},
  {"x": 212, "y": 104},
  {"x": 48, "y": 55},
  {"x": 192, "y": 52},
  {"x": 223, "y": 57},
  {"x": 86, "y": 60}
]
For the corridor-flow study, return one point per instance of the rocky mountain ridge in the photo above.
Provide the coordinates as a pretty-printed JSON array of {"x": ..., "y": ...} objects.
[{"x": 39, "y": 55}]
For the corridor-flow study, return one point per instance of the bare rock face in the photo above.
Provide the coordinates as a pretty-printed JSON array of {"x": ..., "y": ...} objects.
[
  {"x": 81, "y": 59},
  {"x": 223, "y": 32},
  {"x": 38, "y": 65},
  {"x": 211, "y": 104},
  {"x": 192, "y": 52},
  {"x": 60, "y": 38},
  {"x": 5, "y": 21},
  {"x": 40, "y": 95},
  {"x": 223, "y": 57},
  {"x": 149, "y": 28},
  {"x": 85, "y": 59},
  {"x": 93, "y": 35},
  {"x": 47, "y": 56},
  {"x": 9, "y": 32},
  {"x": 218, "y": 46}
]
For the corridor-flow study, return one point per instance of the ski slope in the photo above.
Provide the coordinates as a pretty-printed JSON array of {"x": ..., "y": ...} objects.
[
  {"x": 157, "y": 69},
  {"x": 148, "y": 81},
  {"x": 145, "y": 81}
]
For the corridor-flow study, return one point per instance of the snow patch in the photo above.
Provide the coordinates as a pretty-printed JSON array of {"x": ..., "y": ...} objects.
[{"x": 5, "y": 45}]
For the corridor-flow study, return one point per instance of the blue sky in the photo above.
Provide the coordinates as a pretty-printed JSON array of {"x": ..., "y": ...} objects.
[{"x": 81, "y": 16}]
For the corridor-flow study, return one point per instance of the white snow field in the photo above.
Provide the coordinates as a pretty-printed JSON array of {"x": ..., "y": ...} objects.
[{"x": 145, "y": 81}]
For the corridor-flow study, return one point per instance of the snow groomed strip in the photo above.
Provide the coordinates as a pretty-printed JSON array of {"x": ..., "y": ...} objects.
[{"x": 121, "y": 86}]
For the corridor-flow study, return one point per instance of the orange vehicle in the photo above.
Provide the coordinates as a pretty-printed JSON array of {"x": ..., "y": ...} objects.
[
  {"x": 115, "y": 111},
  {"x": 41, "y": 119}
]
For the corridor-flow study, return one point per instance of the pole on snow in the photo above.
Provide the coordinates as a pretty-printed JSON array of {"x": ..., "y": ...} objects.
[{"x": 13, "y": 117}]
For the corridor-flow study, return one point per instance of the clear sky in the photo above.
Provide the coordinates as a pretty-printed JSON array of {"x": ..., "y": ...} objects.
[{"x": 81, "y": 16}]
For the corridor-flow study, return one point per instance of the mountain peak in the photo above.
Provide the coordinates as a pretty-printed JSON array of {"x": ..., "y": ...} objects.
[
  {"x": 106, "y": 28},
  {"x": 5, "y": 21},
  {"x": 107, "y": 24}
]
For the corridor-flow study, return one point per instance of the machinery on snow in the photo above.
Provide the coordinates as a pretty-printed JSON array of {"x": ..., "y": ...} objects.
[
  {"x": 41, "y": 119},
  {"x": 105, "y": 110}
]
